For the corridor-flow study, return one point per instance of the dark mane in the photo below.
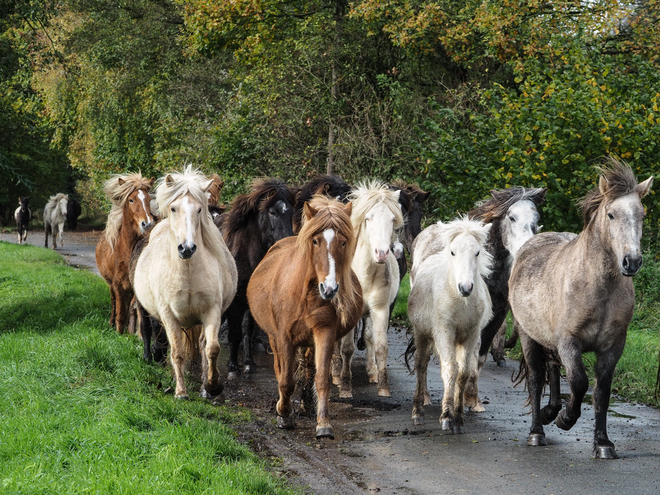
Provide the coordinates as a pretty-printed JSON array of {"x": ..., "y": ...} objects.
[
  {"x": 620, "y": 180},
  {"x": 327, "y": 185},
  {"x": 265, "y": 193},
  {"x": 502, "y": 199}
]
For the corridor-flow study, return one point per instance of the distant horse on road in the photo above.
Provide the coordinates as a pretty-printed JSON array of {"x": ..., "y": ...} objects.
[
  {"x": 73, "y": 212},
  {"x": 54, "y": 218},
  {"x": 23, "y": 215}
]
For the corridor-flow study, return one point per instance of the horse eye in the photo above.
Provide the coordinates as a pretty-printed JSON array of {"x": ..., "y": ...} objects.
[
  {"x": 173, "y": 210},
  {"x": 199, "y": 211},
  {"x": 343, "y": 244},
  {"x": 452, "y": 253},
  {"x": 512, "y": 219},
  {"x": 130, "y": 200},
  {"x": 316, "y": 243},
  {"x": 611, "y": 217},
  {"x": 477, "y": 253}
]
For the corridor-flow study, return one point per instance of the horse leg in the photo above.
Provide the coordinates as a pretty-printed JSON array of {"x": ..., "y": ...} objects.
[
  {"x": 368, "y": 335},
  {"x": 307, "y": 399},
  {"x": 177, "y": 355},
  {"x": 132, "y": 315},
  {"x": 380, "y": 326},
  {"x": 46, "y": 229},
  {"x": 571, "y": 357},
  {"x": 61, "y": 234},
  {"x": 123, "y": 301},
  {"x": 471, "y": 395},
  {"x": 336, "y": 363},
  {"x": 146, "y": 331},
  {"x": 446, "y": 352},
  {"x": 284, "y": 354},
  {"x": 160, "y": 343},
  {"x": 511, "y": 341},
  {"x": 550, "y": 411},
  {"x": 422, "y": 358},
  {"x": 347, "y": 349},
  {"x": 497, "y": 346},
  {"x": 113, "y": 302},
  {"x": 248, "y": 332},
  {"x": 323, "y": 343},
  {"x": 534, "y": 362},
  {"x": 605, "y": 365},
  {"x": 465, "y": 355},
  {"x": 211, "y": 386},
  {"x": 234, "y": 317}
]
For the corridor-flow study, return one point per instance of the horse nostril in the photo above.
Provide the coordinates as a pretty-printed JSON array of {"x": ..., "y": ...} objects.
[
  {"x": 465, "y": 290},
  {"x": 181, "y": 249},
  {"x": 193, "y": 248}
]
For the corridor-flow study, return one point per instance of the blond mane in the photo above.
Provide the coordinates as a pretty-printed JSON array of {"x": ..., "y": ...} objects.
[
  {"x": 331, "y": 215},
  {"x": 475, "y": 228},
  {"x": 118, "y": 188},
  {"x": 196, "y": 184},
  {"x": 366, "y": 195},
  {"x": 53, "y": 200}
]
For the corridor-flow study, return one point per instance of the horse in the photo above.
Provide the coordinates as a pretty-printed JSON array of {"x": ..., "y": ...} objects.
[
  {"x": 54, "y": 217},
  {"x": 304, "y": 293},
  {"x": 73, "y": 212},
  {"x": 23, "y": 215},
  {"x": 449, "y": 304},
  {"x": 185, "y": 275},
  {"x": 214, "y": 196},
  {"x": 332, "y": 186},
  {"x": 254, "y": 223},
  {"x": 375, "y": 216},
  {"x": 129, "y": 219},
  {"x": 572, "y": 294}
]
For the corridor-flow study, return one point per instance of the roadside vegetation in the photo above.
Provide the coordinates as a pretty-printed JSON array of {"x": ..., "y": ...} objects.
[{"x": 81, "y": 412}]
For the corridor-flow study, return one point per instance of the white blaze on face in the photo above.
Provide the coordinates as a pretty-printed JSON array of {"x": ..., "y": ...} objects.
[
  {"x": 142, "y": 197},
  {"x": 188, "y": 208},
  {"x": 331, "y": 279}
]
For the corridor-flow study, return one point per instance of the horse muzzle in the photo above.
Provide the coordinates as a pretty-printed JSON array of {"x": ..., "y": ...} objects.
[
  {"x": 186, "y": 252},
  {"x": 326, "y": 292},
  {"x": 465, "y": 289},
  {"x": 144, "y": 225},
  {"x": 631, "y": 265},
  {"x": 381, "y": 255}
]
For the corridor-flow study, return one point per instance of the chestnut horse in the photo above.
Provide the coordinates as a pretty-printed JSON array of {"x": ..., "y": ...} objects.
[
  {"x": 572, "y": 294},
  {"x": 129, "y": 218},
  {"x": 305, "y": 294}
]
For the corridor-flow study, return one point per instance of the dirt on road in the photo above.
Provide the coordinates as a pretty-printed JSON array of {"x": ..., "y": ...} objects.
[{"x": 378, "y": 450}]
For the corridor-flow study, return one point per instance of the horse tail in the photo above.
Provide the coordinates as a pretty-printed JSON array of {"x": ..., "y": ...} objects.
[
  {"x": 410, "y": 353},
  {"x": 550, "y": 358}
]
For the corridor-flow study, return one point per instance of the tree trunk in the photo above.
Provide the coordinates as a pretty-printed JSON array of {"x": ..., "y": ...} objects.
[{"x": 339, "y": 17}]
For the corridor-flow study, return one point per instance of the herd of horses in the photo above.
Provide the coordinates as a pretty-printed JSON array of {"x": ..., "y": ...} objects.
[{"x": 318, "y": 267}]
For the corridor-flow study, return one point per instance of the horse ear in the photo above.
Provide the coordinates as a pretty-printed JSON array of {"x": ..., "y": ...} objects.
[
  {"x": 348, "y": 208},
  {"x": 120, "y": 181},
  {"x": 422, "y": 195},
  {"x": 602, "y": 184},
  {"x": 487, "y": 228},
  {"x": 397, "y": 194},
  {"x": 169, "y": 180},
  {"x": 540, "y": 197},
  {"x": 207, "y": 186},
  {"x": 151, "y": 182},
  {"x": 309, "y": 211},
  {"x": 643, "y": 188}
]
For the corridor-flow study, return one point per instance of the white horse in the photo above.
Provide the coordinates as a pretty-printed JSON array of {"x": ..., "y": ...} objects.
[
  {"x": 448, "y": 306},
  {"x": 186, "y": 276},
  {"x": 54, "y": 217},
  {"x": 376, "y": 214}
]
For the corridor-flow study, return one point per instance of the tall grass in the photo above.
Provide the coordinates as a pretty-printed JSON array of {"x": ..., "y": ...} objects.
[{"x": 82, "y": 413}]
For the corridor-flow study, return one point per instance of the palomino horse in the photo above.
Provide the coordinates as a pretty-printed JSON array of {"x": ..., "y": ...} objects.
[
  {"x": 376, "y": 214},
  {"x": 22, "y": 215},
  {"x": 572, "y": 294},
  {"x": 448, "y": 306},
  {"x": 54, "y": 217},
  {"x": 255, "y": 222},
  {"x": 129, "y": 218},
  {"x": 185, "y": 275},
  {"x": 304, "y": 293}
]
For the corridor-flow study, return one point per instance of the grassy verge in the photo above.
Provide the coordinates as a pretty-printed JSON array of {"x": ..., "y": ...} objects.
[{"x": 82, "y": 413}]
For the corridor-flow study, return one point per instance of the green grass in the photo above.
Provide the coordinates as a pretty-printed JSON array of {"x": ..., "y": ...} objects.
[
  {"x": 400, "y": 312},
  {"x": 82, "y": 413}
]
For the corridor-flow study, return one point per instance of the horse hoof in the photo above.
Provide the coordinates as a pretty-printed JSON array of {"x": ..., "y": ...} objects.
[
  {"x": 232, "y": 375},
  {"x": 418, "y": 420},
  {"x": 605, "y": 452},
  {"x": 325, "y": 432},
  {"x": 373, "y": 378},
  {"x": 249, "y": 369},
  {"x": 182, "y": 397},
  {"x": 446, "y": 424},
  {"x": 501, "y": 363},
  {"x": 536, "y": 440},
  {"x": 384, "y": 392},
  {"x": 336, "y": 380},
  {"x": 361, "y": 344},
  {"x": 561, "y": 422},
  {"x": 459, "y": 429},
  {"x": 479, "y": 408},
  {"x": 285, "y": 423},
  {"x": 345, "y": 394},
  {"x": 211, "y": 392}
]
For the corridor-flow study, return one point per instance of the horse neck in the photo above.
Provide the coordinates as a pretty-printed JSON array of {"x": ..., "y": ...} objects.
[
  {"x": 594, "y": 249},
  {"x": 363, "y": 252}
]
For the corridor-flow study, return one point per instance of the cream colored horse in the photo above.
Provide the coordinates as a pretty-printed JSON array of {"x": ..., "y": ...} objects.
[
  {"x": 376, "y": 214},
  {"x": 186, "y": 276},
  {"x": 54, "y": 218}
]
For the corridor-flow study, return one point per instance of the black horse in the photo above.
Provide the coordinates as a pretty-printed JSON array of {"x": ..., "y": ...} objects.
[
  {"x": 22, "y": 215},
  {"x": 73, "y": 211},
  {"x": 328, "y": 185},
  {"x": 255, "y": 222}
]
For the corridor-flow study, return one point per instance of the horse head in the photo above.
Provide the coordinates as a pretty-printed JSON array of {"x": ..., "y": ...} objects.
[
  {"x": 182, "y": 198},
  {"x": 62, "y": 204},
  {"x": 138, "y": 208},
  {"x": 275, "y": 217},
  {"x": 465, "y": 253},
  {"x": 616, "y": 209},
  {"x": 520, "y": 221},
  {"x": 376, "y": 215},
  {"x": 328, "y": 236},
  {"x": 24, "y": 201}
]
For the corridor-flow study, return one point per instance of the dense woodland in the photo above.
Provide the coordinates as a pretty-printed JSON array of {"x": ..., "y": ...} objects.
[{"x": 460, "y": 97}]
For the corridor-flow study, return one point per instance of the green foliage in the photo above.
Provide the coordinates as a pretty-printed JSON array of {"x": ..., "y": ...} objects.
[{"x": 81, "y": 411}]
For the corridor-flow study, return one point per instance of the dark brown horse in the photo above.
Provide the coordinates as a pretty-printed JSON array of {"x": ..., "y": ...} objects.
[
  {"x": 305, "y": 294},
  {"x": 128, "y": 220},
  {"x": 22, "y": 215},
  {"x": 331, "y": 186},
  {"x": 572, "y": 294},
  {"x": 254, "y": 223}
]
